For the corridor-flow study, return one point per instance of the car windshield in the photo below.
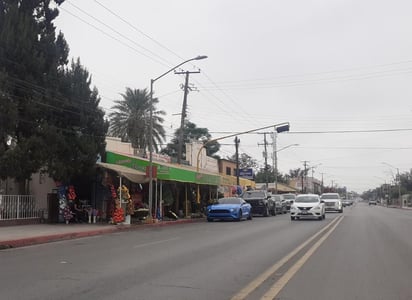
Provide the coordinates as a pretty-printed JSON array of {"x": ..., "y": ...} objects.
[
  {"x": 230, "y": 201},
  {"x": 276, "y": 197},
  {"x": 329, "y": 197},
  {"x": 289, "y": 197},
  {"x": 253, "y": 195},
  {"x": 307, "y": 199}
]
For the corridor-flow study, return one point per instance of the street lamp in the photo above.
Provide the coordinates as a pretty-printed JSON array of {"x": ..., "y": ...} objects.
[
  {"x": 399, "y": 182},
  {"x": 276, "y": 164},
  {"x": 199, "y": 57},
  {"x": 281, "y": 125}
]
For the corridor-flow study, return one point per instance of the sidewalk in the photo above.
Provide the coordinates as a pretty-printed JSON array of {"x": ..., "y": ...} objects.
[{"x": 26, "y": 235}]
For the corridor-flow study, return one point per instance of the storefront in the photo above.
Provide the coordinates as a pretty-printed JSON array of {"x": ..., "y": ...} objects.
[{"x": 176, "y": 188}]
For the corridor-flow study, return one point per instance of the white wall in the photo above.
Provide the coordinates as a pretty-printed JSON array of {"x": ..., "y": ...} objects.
[{"x": 205, "y": 162}]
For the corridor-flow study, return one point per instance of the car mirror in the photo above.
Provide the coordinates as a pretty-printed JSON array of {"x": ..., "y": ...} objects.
[{"x": 322, "y": 201}]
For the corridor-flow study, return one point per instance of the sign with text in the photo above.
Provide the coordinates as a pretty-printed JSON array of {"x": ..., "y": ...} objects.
[{"x": 246, "y": 173}]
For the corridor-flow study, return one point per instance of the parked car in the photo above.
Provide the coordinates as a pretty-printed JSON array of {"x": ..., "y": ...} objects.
[
  {"x": 229, "y": 208},
  {"x": 347, "y": 202},
  {"x": 307, "y": 206},
  {"x": 288, "y": 199},
  {"x": 280, "y": 204},
  {"x": 261, "y": 201},
  {"x": 332, "y": 201}
]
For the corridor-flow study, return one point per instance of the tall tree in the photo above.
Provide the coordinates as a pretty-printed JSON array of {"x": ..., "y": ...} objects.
[
  {"x": 76, "y": 145},
  {"x": 131, "y": 119},
  {"x": 245, "y": 161},
  {"x": 190, "y": 133},
  {"x": 34, "y": 103}
]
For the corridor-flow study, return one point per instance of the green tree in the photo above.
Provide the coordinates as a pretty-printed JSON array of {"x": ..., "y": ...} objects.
[
  {"x": 245, "y": 161},
  {"x": 131, "y": 119},
  {"x": 37, "y": 110},
  {"x": 191, "y": 132},
  {"x": 261, "y": 176},
  {"x": 76, "y": 145}
]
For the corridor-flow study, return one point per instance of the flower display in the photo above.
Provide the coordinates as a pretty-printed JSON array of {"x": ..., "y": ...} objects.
[
  {"x": 67, "y": 213},
  {"x": 118, "y": 215},
  {"x": 124, "y": 191}
]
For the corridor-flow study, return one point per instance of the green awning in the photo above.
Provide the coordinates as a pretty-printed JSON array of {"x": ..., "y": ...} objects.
[
  {"x": 165, "y": 171},
  {"x": 129, "y": 173}
]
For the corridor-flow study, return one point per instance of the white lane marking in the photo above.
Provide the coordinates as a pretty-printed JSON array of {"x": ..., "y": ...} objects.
[
  {"x": 278, "y": 286},
  {"x": 265, "y": 275},
  {"x": 154, "y": 243}
]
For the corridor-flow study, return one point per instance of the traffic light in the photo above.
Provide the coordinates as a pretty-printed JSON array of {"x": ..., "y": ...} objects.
[{"x": 282, "y": 128}]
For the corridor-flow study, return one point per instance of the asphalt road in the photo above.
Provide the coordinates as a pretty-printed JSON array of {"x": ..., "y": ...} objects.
[{"x": 363, "y": 253}]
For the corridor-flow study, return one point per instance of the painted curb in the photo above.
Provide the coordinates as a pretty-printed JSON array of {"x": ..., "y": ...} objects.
[{"x": 75, "y": 235}]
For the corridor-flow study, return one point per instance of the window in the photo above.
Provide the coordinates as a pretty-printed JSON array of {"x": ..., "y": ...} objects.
[{"x": 228, "y": 171}]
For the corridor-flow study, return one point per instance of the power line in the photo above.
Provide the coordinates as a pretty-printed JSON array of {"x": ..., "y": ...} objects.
[
  {"x": 350, "y": 131},
  {"x": 168, "y": 49},
  {"x": 114, "y": 38},
  {"x": 119, "y": 33}
]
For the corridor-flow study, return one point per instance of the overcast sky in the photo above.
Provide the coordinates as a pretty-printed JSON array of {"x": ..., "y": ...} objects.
[{"x": 339, "y": 71}]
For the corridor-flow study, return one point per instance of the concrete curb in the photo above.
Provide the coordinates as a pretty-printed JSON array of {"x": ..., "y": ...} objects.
[{"x": 75, "y": 235}]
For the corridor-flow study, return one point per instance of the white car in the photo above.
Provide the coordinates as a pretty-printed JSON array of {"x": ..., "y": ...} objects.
[
  {"x": 307, "y": 206},
  {"x": 333, "y": 202}
]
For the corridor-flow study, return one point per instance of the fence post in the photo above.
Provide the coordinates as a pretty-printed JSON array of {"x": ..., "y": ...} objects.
[{"x": 18, "y": 206}]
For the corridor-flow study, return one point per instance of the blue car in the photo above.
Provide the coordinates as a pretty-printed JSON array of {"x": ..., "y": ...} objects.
[{"x": 230, "y": 208}]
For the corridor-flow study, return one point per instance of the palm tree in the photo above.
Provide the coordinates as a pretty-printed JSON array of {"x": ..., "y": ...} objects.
[{"x": 131, "y": 119}]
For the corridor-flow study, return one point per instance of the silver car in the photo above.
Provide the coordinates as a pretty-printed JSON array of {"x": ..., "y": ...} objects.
[{"x": 332, "y": 201}]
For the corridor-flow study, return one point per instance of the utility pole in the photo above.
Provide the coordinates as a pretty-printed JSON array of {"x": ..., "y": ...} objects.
[
  {"x": 237, "y": 141},
  {"x": 265, "y": 154},
  {"x": 183, "y": 116},
  {"x": 321, "y": 187},
  {"x": 305, "y": 163},
  {"x": 266, "y": 163},
  {"x": 275, "y": 155}
]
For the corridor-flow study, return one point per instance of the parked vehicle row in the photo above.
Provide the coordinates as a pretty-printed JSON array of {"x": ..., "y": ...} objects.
[
  {"x": 254, "y": 202},
  {"x": 262, "y": 203}
]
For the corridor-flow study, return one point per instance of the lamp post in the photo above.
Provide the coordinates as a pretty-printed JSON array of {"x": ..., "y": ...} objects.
[
  {"x": 152, "y": 81},
  {"x": 399, "y": 182},
  {"x": 280, "y": 125},
  {"x": 276, "y": 164}
]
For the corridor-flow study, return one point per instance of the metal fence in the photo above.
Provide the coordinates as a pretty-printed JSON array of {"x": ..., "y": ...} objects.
[{"x": 13, "y": 207}]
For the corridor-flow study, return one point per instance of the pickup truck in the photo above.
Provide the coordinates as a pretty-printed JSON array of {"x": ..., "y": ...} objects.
[{"x": 261, "y": 202}]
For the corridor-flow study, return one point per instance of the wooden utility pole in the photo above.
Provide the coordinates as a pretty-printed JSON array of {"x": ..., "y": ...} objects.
[
  {"x": 183, "y": 116},
  {"x": 237, "y": 141}
]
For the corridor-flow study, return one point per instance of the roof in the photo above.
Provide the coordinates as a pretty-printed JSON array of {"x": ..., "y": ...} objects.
[
  {"x": 131, "y": 174},
  {"x": 281, "y": 187}
]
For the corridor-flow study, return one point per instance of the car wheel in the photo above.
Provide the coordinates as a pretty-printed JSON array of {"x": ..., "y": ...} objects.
[
  {"x": 239, "y": 218},
  {"x": 250, "y": 216},
  {"x": 341, "y": 211},
  {"x": 292, "y": 218},
  {"x": 209, "y": 219},
  {"x": 266, "y": 213},
  {"x": 274, "y": 211}
]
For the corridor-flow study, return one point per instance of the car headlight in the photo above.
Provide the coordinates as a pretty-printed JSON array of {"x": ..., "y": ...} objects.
[
  {"x": 318, "y": 207},
  {"x": 233, "y": 210}
]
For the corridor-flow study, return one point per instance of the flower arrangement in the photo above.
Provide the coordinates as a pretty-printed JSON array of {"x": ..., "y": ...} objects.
[
  {"x": 67, "y": 214},
  {"x": 118, "y": 215}
]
